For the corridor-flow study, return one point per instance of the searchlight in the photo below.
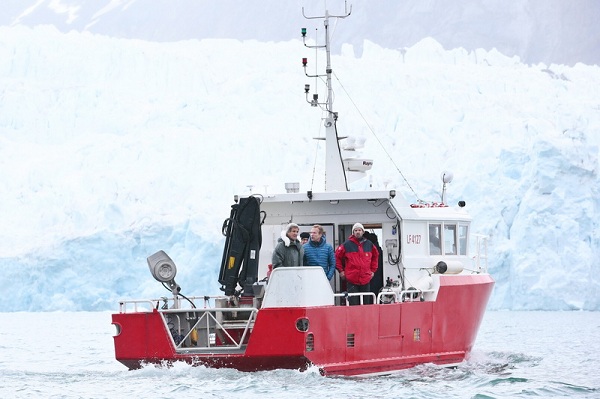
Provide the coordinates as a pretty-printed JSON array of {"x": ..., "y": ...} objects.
[{"x": 163, "y": 269}]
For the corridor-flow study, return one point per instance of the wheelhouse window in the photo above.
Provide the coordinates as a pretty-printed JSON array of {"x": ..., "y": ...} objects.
[
  {"x": 463, "y": 234},
  {"x": 450, "y": 239},
  {"x": 435, "y": 239}
]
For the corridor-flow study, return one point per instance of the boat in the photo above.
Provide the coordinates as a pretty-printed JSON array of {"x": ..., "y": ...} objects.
[{"x": 426, "y": 303}]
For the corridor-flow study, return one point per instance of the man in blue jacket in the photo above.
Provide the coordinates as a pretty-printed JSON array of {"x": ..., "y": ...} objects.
[{"x": 317, "y": 252}]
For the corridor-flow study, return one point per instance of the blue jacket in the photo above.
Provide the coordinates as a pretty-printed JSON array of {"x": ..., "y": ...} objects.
[{"x": 320, "y": 254}]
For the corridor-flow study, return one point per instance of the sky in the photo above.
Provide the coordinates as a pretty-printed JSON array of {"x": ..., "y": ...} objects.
[
  {"x": 114, "y": 147},
  {"x": 548, "y": 31}
]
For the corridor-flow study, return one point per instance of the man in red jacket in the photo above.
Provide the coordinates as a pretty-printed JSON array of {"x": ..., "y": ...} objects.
[{"x": 357, "y": 261}]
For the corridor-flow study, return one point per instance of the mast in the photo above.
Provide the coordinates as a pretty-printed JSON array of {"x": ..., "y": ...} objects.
[{"x": 335, "y": 176}]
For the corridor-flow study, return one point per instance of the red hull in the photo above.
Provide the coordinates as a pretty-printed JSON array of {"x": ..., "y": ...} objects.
[{"x": 344, "y": 340}]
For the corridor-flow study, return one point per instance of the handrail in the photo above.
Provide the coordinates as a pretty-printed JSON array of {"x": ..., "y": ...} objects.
[
  {"x": 123, "y": 305},
  {"x": 403, "y": 296},
  {"x": 196, "y": 310},
  {"x": 359, "y": 294},
  {"x": 154, "y": 303},
  {"x": 481, "y": 241}
]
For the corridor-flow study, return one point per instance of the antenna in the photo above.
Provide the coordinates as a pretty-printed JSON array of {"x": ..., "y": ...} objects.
[
  {"x": 346, "y": 13},
  {"x": 335, "y": 176}
]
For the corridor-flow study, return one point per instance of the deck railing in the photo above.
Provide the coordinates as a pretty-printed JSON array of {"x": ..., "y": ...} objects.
[
  {"x": 361, "y": 295},
  {"x": 167, "y": 303},
  {"x": 218, "y": 328},
  {"x": 481, "y": 253},
  {"x": 211, "y": 324}
]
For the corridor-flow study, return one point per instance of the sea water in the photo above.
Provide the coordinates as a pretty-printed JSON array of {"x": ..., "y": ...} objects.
[{"x": 517, "y": 355}]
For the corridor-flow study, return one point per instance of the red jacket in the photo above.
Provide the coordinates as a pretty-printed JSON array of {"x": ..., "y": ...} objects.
[{"x": 357, "y": 260}]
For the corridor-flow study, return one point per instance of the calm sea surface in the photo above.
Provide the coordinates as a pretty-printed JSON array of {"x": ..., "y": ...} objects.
[{"x": 517, "y": 355}]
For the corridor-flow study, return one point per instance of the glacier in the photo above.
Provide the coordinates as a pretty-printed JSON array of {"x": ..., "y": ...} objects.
[{"x": 113, "y": 148}]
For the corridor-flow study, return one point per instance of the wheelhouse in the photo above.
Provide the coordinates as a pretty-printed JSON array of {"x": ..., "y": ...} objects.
[{"x": 415, "y": 241}]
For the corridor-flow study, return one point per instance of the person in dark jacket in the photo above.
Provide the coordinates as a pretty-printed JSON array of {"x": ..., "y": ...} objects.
[
  {"x": 288, "y": 251},
  {"x": 357, "y": 261},
  {"x": 304, "y": 237},
  {"x": 318, "y": 252}
]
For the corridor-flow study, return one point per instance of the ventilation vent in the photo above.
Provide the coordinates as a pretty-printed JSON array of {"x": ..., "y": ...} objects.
[
  {"x": 310, "y": 342},
  {"x": 350, "y": 340},
  {"x": 417, "y": 334}
]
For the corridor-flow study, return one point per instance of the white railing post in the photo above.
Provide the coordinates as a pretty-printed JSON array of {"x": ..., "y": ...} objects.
[{"x": 481, "y": 260}]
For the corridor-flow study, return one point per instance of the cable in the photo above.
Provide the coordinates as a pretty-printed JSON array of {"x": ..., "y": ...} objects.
[
  {"x": 179, "y": 294},
  {"x": 377, "y": 138},
  {"x": 340, "y": 153}
]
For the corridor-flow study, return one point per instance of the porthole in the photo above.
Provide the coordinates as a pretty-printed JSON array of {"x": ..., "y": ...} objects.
[{"x": 302, "y": 324}]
